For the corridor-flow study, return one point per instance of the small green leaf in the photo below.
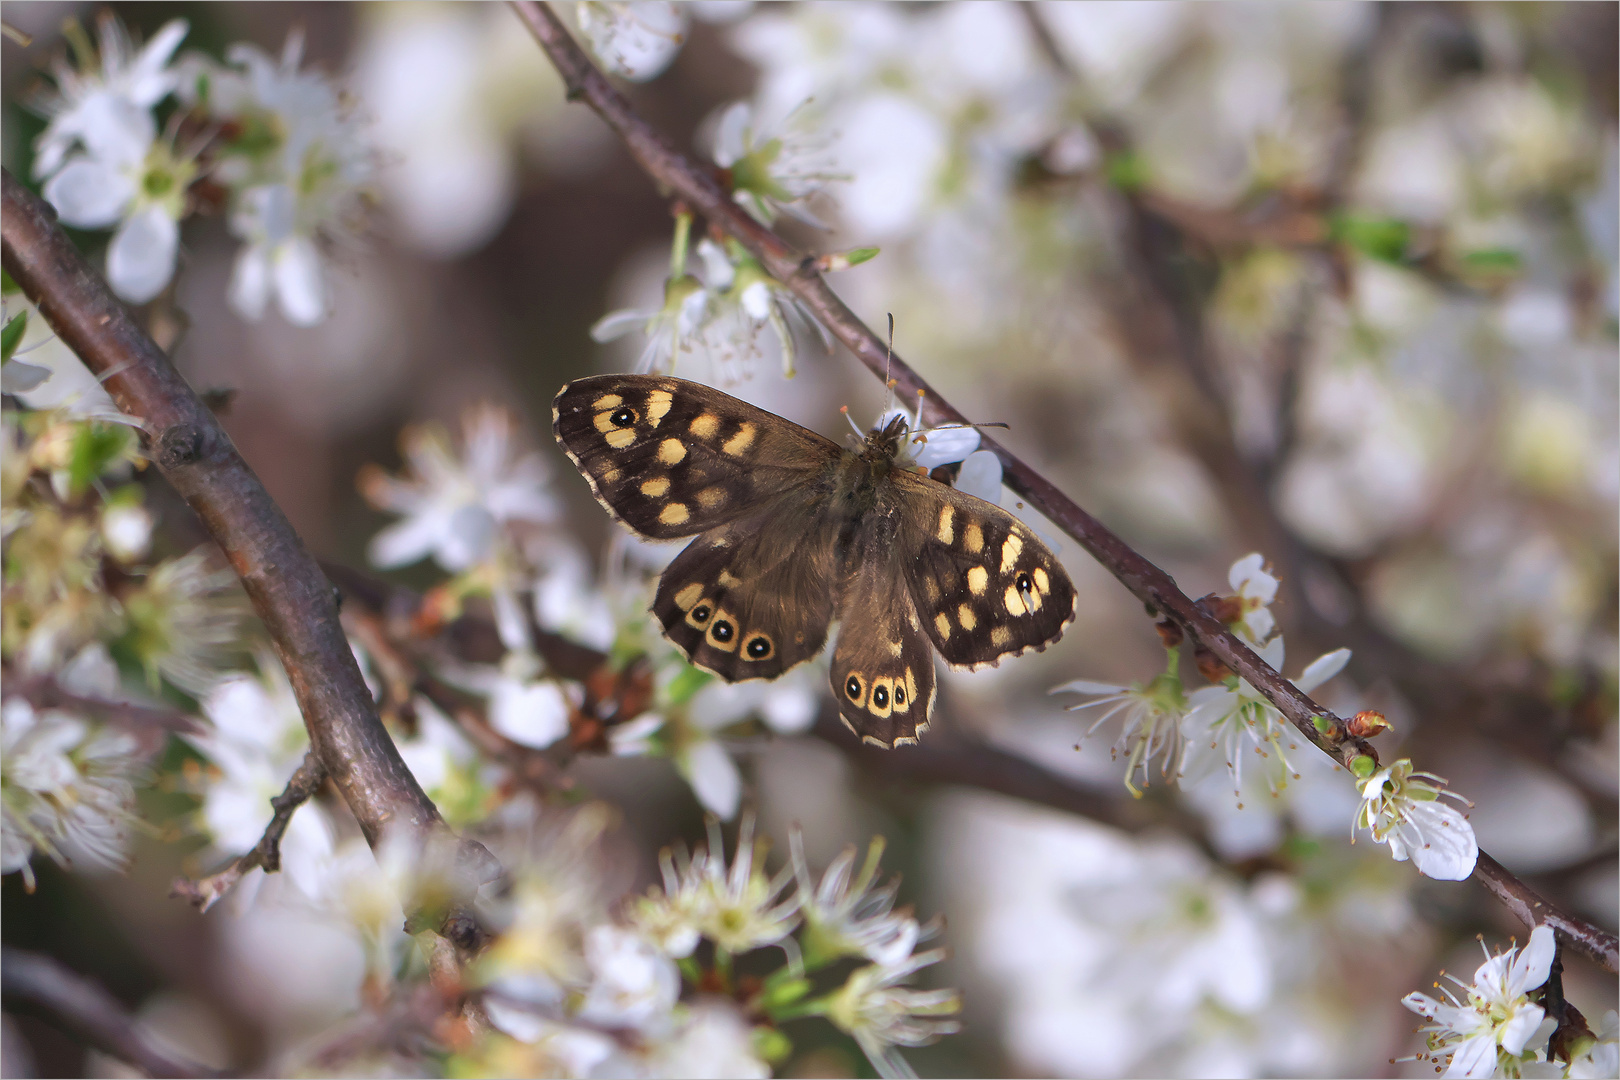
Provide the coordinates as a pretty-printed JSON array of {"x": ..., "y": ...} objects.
[
  {"x": 7, "y": 286},
  {"x": 1323, "y": 725},
  {"x": 686, "y": 684},
  {"x": 1385, "y": 239},
  {"x": 1363, "y": 766},
  {"x": 1127, "y": 171},
  {"x": 96, "y": 448},
  {"x": 1499, "y": 260},
  {"x": 785, "y": 992},
  {"x": 12, "y": 335}
]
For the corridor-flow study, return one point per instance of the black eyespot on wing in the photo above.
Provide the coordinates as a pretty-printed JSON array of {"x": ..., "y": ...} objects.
[
  {"x": 701, "y": 613},
  {"x": 723, "y": 631},
  {"x": 625, "y": 417},
  {"x": 880, "y": 698},
  {"x": 899, "y": 695},
  {"x": 758, "y": 648},
  {"x": 1025, "y": 584},
  {"x": 853, "y": 688}
]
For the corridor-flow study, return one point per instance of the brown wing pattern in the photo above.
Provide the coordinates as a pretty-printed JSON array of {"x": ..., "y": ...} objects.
[
  {"x": 985, "y": 586},
  {"x": 671, "y": 458}
]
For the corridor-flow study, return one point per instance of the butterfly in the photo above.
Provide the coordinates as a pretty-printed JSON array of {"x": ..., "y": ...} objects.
[{"x": 793, "y": 530}]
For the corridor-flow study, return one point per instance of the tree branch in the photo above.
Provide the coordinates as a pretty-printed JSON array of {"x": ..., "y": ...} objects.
[
  {"x": 700, "y": 188},
  {"x": 88, "y": 1010},
  {"x": 198, "y": 459},
  {"x": 266, "y": 854}
]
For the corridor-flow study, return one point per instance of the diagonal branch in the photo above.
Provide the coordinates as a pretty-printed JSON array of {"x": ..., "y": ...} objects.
[
  {"x": 88, "y": 1010},
  {"x": 198, "y": 459},
  {"x": 700, "y": 188}
]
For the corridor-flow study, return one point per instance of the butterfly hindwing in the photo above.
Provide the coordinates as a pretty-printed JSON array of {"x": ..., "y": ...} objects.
[
  {"x": 882, "y": 667},
  {"x": 985, "y": 586},
  {"x": 671, "y": 458},
  {"x": 752, "y": 599}
]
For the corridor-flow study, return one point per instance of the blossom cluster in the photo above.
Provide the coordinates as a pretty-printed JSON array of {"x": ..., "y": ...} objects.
[
  {"x": 84, "y": 595},
  {"x": 276, "y": 145},
  {"x": 657, "y": 993}
]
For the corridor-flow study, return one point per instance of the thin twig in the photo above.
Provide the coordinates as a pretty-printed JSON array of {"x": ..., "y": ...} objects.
[
  {"x": 44, "y": 692},
  {"x": 195, "y": 455},
  {"x": 266, "y": 854},
  {"x": 88, "y": 1010},
  {"x": 700, "y": 188}
]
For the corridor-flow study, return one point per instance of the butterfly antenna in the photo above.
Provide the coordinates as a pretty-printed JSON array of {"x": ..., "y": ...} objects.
[{"x": 888, "y": 362}]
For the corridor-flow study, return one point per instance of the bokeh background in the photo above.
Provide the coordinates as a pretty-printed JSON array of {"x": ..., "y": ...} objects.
[{"x": 1385, "y": 357}]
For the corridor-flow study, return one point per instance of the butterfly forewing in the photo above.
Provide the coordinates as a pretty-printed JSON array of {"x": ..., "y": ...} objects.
[
  {"x": 672, "y": 458},
  {"x": 984, "y": 584}
]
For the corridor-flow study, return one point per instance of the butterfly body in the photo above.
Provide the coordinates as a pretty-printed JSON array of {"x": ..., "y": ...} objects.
[{"x": 792, "y": 531}]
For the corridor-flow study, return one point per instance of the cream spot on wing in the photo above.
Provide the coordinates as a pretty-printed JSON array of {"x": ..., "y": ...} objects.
[
  {"x": 943, "y": 624},
  {"x": 727, "y": 581},
  {"x": 711, "y": 497},
  {"x": 674, "y": 514},
  {"x": 978, "y": 579},
  {"x": 658, "y": 404},
  {"x": 896, "y": 648},
  {"x": 931, "y": 587},
  {"x": 911, "y": 689},
  {"x": 689, "y": 596},
  {"x": 739, "y": 443},
  {"x": 947, "y": 524},
  {"x": 611, "y": 476},
  {"x": 604, "y": 423},
  {"x": 656, "y": 488},
  {"x": 911, "y": 619},
  {"x": 671, "y": 452},
  {"x": 619, "y": 438},
  {"x": 973, "y": 538},
  {"x": 1000, "y": 636},
  {"x": 1014, "y": 602},
  {"x": 965, "y": 616},
  {"x": 607, "y": 401},
  {"x": 1043, "y": 584},
  {"x": 705, "y": 426},
  {"x": 1009, "y": 552}
]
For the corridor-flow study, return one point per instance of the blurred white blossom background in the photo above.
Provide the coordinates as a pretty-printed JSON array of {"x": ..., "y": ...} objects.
[{"x": 1315, "y": 305}]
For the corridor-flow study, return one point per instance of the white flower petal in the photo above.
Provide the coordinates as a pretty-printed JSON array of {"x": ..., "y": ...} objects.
[
  {"x": 980, "y": 476},
  {"x": 1474, "y": 1058},
  {"x": 89, "y": 193},
  {"x": 1534, "y": 963},
  {"x": 300, "y": 285},
  {"x": 1322, "y": 669},
  {"x": 1444, "y": 848},
  {"x": 249, "y": 290},
  {"x": 535, "y": 715},
  {"x": 713, "y": 776},
  {"x": 140, "y": 259},
  {"x": 945, "y": 445},
  {"x": 1519, "y": 1027},
  {"x": 616, "y": 324}
]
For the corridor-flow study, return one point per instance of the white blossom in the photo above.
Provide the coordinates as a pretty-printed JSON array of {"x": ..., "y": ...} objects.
[
  {"x": 883, "y": 1015},
  {"x": 297, "y": 173},
  {"x": 1228, "y": 722},
  {"x": 671, "y": 330},
  {"x": 1151, "y": 726},
  {"x": 66, "y": 786},
  {"x": 633, "y": 984},
  {"x": 1401, "y": 807},
  {"x": 849, "y": 914},
  {"x": 1256, "y": 588},
  {"x": 455, "y": 505},
  {"x": 774, "y": 168},
  {"x": 635, "y": 39},
  {"x": 1491, "y": 1022},
  {"x": 106, "y": 109},
  {"x": 742, "y": 300},
  {"x": 713, "y": 1041}
]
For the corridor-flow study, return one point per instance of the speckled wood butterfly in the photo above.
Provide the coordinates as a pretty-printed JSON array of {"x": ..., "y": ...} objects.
[{"x": 794, "y": 530}]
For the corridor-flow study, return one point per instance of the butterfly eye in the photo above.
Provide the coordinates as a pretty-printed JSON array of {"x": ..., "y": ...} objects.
[
  {"x": 880, "y": 698},
  {"x": 853, "y": 688},
  {"x": 701, "y": 613},
  {"x": 723, "y": 631},
  {"x": 758, "y": 647},
  {"x": 625, "y": 417}
]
